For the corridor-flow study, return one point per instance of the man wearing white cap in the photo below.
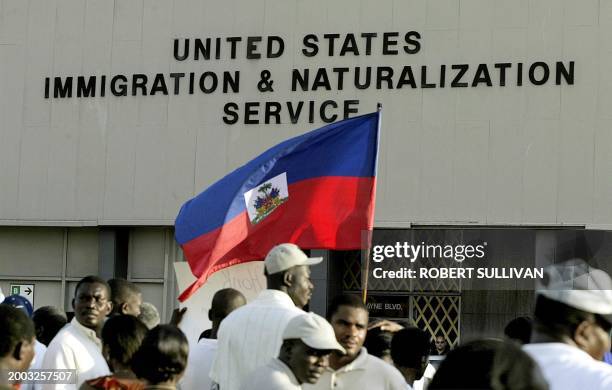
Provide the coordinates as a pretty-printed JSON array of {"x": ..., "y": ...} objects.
[
  {"x": 308, "y": 340},
  {"x": 572, "y": 323},
  {"x": 252, "y": 335}
]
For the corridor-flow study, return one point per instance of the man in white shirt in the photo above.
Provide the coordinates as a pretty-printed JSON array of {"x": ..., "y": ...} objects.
[
  {"x": 356, "y": 369},
  {"x": 78, "y": 346},
  {"x": 202, "y": 354},
  {"x": 308, "y": 340},
  {"x": 251, "y": 335},
  {"x": 572, "y": 323}
]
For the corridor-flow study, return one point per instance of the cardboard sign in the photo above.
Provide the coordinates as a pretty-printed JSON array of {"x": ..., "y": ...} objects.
[{"x": 248, "y": 278}]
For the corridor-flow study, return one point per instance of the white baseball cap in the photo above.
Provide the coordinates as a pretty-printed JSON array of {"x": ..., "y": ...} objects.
[
  {"x": 284, "y": 256},
  {"x": 314, "y": 331},
  {"x": 577, "y": 284}
]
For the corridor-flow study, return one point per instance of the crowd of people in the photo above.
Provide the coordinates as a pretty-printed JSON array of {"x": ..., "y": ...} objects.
[{"x": 115, "y": 341}]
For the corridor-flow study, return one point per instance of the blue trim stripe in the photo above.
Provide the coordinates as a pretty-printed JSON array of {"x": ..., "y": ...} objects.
[{"x": 345, "y": 148}]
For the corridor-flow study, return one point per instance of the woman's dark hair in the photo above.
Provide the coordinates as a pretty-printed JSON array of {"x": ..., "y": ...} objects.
[
  {"x": 123, "y": 334},
  {"x": 519, "y": 329},
  {"x": 162, "y": 357},
  {"x": 15, "y": 327},
  {"x": 409, "y": 346},
  {"x": 48, "y": 320},
  {"x": 488, "y": 364},
  {"x": 378, "y": 342}
]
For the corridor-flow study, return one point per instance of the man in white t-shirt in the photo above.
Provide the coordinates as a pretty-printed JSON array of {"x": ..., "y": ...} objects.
[
  {"x": 308, "y": 340},
  {"x": 203, "y": 353},
  {"x": 356, "y": 369},
  {"x": 78, "y": 346},
  {"x": 572, "y": 323},
  {"x": 251, "y": 335}
]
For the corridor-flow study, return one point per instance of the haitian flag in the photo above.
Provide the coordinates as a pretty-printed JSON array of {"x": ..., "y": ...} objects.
[{"x": 316, "y": 190}]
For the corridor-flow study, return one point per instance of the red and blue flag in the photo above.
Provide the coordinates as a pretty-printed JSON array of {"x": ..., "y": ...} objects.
[{"x": 316, "y": 190}]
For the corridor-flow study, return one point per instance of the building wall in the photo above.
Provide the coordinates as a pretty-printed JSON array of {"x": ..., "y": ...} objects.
[
  {"x": 486, "y": 155},
  {"x": 54, "y": 259}
]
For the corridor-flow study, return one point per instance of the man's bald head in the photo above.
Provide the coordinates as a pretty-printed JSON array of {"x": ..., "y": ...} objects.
[{"x": 224, "y": 302}]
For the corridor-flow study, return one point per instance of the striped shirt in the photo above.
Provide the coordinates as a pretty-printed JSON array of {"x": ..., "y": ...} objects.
[{"x": 250, "y": 336}]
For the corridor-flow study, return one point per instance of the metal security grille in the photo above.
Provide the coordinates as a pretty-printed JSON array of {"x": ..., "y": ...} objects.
[
  {"x": 435, "y": 306},
  {"x": 351, "y": 274},
  {"x": 438, "y": 315}
]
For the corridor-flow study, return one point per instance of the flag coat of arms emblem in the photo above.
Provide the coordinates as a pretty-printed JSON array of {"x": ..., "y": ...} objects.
[
  {"x": 316, "y": 190},
  {"x": 265, "y": 198}
]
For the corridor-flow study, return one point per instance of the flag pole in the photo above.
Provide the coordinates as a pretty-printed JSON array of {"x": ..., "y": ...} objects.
[{"x": 369, "y": 234}]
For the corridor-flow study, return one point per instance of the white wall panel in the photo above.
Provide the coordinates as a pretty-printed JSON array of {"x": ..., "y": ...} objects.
[
  {"x": 540, "y": 172},
  {"x": 127, "y": 23},
  {"x": 120, "y": 169},
  {"x": 402, "y": 165},
  {"x": 311, "y": 16},
  {"x": 476, "y": 14},
  {"x": 91, "y": 159},
  {"x": 11, "y": 128},
  {"x": 217, "y": 16},
  {"x": 545, "y": 29},
  {"x": 602, "y": 185},
  {"x": 187, "y": 17},
  {"x": 21, "y": 258},
  {"x": 82, "y": 252},
  {"x": 470, "y": 156},
  {"x": 373, "y": 14},
  {"x": 34, "y": 156},
  {"x": 40, "y": 43},
  {"x": 13, "y": 22},
  {"x": 148, "y": 169},
  {"x": 98, "y": 36},
  {"x": 61, "y": 173},
  {"x": 442, "y": 14},
  {"x": 279, "y": 17},
  {"x": 581, "y": 12},
  {"x": 409, "y": 13},
  {"x": 508, "y": 43},
  {"x": 514, "y": 14},
  {"x": 581, "y": 101},
  {"x": 182, "y": 167},
  {"x": 505, "y": 171},
  {"x": 604, "y": 87},
  {"x": 248, "y": 18},
  {"x": 436, "y": 181},
  {"x": 342, "y": 16},
  {"x": 575, "y": 185},
  {"x": 543, "y": 102}
]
